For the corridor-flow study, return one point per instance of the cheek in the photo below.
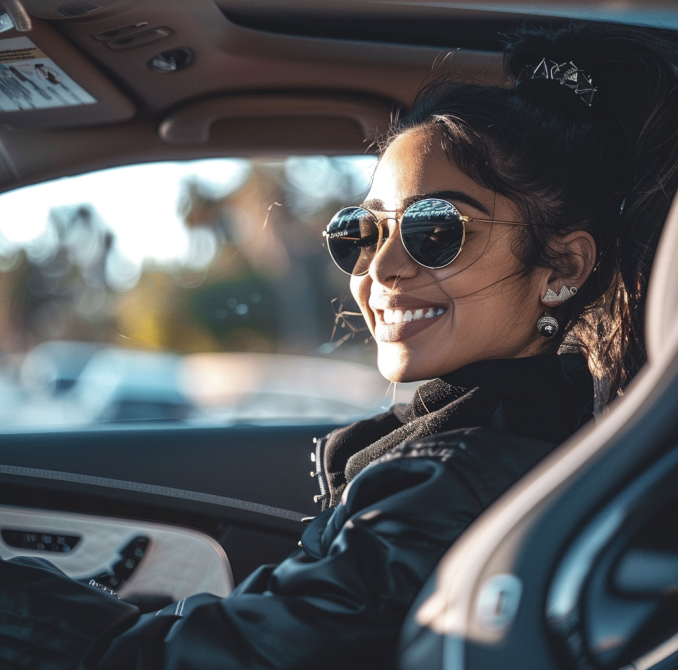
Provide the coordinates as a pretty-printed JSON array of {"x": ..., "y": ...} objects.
[
  {"x": 484, "y": 269},
  {"x": 485, "y": 296},
  {"x": 360, "y": 289}
]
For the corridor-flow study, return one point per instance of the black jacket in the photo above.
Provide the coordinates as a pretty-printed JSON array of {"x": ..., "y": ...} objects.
[
  {"x": 540, "y": 397},
  {"x": 338, "y": 602}
]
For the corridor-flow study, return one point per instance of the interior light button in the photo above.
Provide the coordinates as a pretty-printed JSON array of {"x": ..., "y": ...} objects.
[{"x": 172, "y": 60}]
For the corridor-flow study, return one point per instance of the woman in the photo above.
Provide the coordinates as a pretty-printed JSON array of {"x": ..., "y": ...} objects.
[{"x": 501, "y": 224}]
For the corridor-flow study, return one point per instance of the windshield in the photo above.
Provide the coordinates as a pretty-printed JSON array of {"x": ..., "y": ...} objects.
[{"x": 197, "y": 291}]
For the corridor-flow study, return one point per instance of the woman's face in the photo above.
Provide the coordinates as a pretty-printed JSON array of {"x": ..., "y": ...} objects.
[{"x": 483, "y": 307}]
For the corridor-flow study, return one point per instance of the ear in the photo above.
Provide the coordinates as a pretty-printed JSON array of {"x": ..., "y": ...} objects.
[{"x": 576, "y": 259}]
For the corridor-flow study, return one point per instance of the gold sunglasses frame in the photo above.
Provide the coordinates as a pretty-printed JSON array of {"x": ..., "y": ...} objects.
[{"x": 398, "y": 219}]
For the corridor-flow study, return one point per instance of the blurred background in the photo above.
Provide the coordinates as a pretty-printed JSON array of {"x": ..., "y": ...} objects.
[{"x": 191, "y": 291}]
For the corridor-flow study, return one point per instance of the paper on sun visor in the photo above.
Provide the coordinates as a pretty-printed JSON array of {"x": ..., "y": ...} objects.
[{"x": 30, "y": 80}]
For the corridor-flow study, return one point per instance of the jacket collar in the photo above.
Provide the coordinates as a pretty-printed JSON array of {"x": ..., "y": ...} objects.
[{"x": 545, "y": 397}]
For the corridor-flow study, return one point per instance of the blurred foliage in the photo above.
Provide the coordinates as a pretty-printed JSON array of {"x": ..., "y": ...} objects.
[
  {"x": 230, "y": 309},
  {"x": 256, "y": 276}
]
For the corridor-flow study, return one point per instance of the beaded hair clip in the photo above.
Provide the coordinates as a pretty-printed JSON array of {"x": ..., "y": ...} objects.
[{"x": 568, "y": 74}]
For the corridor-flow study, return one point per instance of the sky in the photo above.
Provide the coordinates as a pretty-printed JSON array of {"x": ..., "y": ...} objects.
[{"x": 139, "y": 203}]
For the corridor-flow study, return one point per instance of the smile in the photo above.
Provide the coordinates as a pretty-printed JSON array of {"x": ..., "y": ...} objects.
[
  {"x": 405, "y": 316},
  {"x": 393, "y": 325}
]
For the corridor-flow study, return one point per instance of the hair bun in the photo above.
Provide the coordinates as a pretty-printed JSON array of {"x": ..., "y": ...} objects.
[
  {"x": 565, "y": 74},
  {"x": 631, "y": 68}
]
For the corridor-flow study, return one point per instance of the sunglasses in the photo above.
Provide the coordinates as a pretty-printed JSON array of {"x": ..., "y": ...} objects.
[{"x": 432, "y": 232}]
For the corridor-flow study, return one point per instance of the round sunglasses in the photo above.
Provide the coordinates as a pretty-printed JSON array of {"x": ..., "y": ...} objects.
[{"x": 432, "y": 232}]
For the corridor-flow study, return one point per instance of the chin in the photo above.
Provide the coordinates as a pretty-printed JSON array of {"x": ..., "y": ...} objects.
[
  {"x": 399, "y": 371},
  {"x": 413, "y": 368}
]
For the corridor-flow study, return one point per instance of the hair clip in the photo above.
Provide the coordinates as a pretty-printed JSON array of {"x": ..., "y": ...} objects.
[{"x": 568, "y": 74}]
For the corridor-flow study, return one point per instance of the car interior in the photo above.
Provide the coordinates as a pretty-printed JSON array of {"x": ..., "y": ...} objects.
[{"x": 161, "y": 494}]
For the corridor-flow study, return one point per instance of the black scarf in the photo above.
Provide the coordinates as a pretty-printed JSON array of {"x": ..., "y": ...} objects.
[{"x": 544, "y": 397}]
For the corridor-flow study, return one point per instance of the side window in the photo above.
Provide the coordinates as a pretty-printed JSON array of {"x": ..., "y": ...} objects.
[{"x": 195, "y": 291}]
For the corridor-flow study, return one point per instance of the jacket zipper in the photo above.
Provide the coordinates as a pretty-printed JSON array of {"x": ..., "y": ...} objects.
[{"x": 318, "y": 457}]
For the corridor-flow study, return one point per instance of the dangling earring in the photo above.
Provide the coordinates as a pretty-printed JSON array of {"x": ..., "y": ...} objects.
[
  {"x": 547, "y": 325},
  {"x": 565, "y": 293}
]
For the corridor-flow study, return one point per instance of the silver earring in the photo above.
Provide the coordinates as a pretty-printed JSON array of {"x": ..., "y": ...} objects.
[
  {"x": 547, "y": 325},
  {"x": 565, "y": 293}
]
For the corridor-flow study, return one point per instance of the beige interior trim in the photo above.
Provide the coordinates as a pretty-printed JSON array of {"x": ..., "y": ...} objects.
[
  {"x": 179, "y": 562},
  {"x": 662, "y": 298},
  {"x": 192, "y": 124}
]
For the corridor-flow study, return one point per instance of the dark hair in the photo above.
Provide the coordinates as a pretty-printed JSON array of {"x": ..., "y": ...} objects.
[{"x": 610, "y": 169}]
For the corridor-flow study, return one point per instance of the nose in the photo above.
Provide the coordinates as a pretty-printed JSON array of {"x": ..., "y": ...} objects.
[{"x": 392, "y": 263}]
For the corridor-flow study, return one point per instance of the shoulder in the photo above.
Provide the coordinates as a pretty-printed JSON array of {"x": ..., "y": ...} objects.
[
  {"x": 488, "y": 461},
  {"x": 411, "y": 492},
  {"x": 442, "y": 482}
]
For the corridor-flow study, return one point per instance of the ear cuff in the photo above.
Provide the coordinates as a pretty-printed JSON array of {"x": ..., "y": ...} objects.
[
  {"x": 565, "y": 294},
  {"x": 547, "y": 325}
]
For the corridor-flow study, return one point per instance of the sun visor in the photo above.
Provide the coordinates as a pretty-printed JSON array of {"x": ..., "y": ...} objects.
[{"x": 46, "y": 83}]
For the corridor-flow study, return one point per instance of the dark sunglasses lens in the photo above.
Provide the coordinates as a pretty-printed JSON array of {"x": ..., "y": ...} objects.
[
  {"x": 352, "y": 238},
  {"x": 432, "y": 232}
]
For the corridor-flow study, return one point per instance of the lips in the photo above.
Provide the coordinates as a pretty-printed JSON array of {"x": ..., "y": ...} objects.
[{"x": 398, "y": 317}]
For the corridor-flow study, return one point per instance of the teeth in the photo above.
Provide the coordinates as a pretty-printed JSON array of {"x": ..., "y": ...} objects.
[{"x": 398, "y": 316}]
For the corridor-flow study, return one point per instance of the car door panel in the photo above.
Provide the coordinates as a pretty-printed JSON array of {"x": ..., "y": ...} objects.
[
  {"x": 269, "y": 465},
  {"x": 138, "y": 558},
  {"x": 247, "y": 487}
]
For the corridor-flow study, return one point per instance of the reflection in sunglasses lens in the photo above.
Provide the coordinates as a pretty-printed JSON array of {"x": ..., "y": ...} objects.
[
  {"x": 352, "y": 238},
  {"x": 432, "y": 232}
]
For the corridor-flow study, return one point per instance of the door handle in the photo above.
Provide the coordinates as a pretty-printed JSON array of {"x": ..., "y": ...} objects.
[{"x": 122, "y": 566}]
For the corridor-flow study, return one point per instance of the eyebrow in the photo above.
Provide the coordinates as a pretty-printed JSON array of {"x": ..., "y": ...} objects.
[{"x": 456, "y": 196}]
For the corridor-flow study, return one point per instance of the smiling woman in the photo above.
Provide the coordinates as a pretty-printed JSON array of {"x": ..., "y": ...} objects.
[
  {"x": 477, "y": 304},
  {"x": 505, "y": 226},
  {"x": 446, "y": 297}
]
